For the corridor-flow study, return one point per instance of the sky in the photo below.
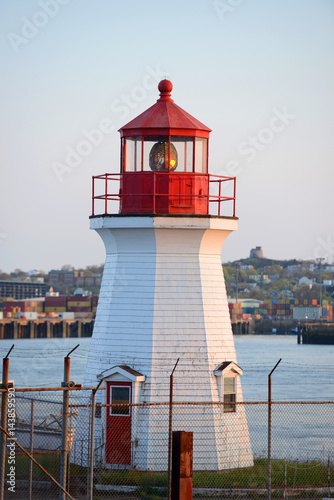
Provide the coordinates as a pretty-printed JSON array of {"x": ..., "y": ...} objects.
[{"x": 259, "y": 73}]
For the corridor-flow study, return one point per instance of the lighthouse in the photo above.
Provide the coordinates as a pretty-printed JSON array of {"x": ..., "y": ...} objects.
[{"x": 162, "y": 218}]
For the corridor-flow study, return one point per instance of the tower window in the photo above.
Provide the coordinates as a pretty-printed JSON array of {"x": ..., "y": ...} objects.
[
  {"x": 227, "y": 374},
  {"x": 229, "y": 394}
]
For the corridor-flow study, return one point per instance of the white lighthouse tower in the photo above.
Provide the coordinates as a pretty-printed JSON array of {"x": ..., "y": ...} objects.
[{"x": 163, "y": 297}]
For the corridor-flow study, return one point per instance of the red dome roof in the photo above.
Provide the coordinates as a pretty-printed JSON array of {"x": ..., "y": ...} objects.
[{"x": 165, "y": 118}]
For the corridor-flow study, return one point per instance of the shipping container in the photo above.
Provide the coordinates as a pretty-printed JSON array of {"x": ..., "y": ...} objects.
[
  {"x": 56, "y": 301},
  {"x": 79, "y": 309},
  {"x": 27, "y": 315},
  {"x": 66, "y": 315},
  {"x": 55, "y": 309},
  {"x": 78, "y": 303}
]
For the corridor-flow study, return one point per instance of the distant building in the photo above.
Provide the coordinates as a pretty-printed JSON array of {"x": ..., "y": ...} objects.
[
  {"x": 273, "y": 277},
  {"x": 304, "y": 266},
  {"x": 34, "y": 272},
  {"x": 63, "y": 278},
  {"x": 264, "y": 278},
  {"x": 22, "y": 289},
  {"x": 246, "y": 268},
  {"x": 73, "y": 278},
  {"x": 256, "y": 253},
  {"x": 307, "y": 313},
  {"x": 306, "y": 281},
  {"x": 286, "y": 293}
]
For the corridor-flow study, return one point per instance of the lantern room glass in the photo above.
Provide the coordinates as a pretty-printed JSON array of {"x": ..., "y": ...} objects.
[
  {"x": 152, "y": 154},
  {"x": 132, "y": 151},
  {"x": 201, "y": 155}
]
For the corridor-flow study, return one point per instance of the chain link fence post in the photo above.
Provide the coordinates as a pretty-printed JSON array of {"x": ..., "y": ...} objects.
[
  {"x": 67, "y": 384},
  {"x": 4, "y": 415},
  {"x": 170, "y": 432},
  {"x": 92, "y": 433},
  {"x": 269, "y": 428},
  {"x": 32, "y": 414}
]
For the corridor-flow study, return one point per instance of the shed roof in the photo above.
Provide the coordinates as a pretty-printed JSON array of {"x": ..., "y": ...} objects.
[{"x": 227, "y": 366}]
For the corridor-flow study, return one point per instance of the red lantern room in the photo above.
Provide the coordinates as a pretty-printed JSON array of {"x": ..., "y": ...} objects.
[
  {"x": 165, "y": 157},
  {"x": 164, "y": 163}
]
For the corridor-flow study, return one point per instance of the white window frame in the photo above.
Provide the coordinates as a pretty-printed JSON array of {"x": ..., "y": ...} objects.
[
  {"x": 227, "y": 369},
  {"x": 228, "y": 407},
  {"x": 111, "y": 400}
]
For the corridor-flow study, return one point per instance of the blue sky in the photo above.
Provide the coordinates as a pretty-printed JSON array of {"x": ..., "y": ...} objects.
[{"x": 259, "y": 73}]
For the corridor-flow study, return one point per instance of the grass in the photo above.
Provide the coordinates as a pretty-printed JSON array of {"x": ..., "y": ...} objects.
[{"x": 299, "y": 475}]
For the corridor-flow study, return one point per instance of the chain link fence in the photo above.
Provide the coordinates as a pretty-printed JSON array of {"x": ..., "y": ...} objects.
[{"x": 110, "y": 451}]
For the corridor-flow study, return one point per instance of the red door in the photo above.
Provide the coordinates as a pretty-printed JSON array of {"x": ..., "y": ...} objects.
[{"x": 118, "y": 446}]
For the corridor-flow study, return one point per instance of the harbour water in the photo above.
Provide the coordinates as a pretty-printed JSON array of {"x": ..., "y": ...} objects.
[{"x": 306, "y": 372}]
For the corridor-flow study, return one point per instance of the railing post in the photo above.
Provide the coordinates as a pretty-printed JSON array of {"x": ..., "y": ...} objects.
[
  {"x": 234, "y": 195},
  {"x": 93, "y": 194},
  {"x": 106, "y": 196},
  {"x": 219, "y": 195},
  {"x": 154, "y": 189},
  {"x": 269, "y": 428},
  {"x": 208, "y": 198}
]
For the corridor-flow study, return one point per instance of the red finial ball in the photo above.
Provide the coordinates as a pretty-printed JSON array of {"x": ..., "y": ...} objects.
[{"x": 165, "y": 86}]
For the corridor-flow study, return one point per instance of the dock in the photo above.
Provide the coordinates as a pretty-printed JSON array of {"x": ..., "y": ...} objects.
[
  {"x": 45, "y": 328},
  {"x": 317, "y": 333}
]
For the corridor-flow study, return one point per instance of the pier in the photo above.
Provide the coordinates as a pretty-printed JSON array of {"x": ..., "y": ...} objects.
[
  {"x": 317, "y": 333},
  {"x": 45, "y": 328}
]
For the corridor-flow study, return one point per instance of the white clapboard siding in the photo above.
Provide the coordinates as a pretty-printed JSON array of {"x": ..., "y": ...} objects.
[{"x": 163, "y": 297}]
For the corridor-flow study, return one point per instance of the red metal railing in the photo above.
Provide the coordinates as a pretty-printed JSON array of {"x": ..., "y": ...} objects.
[{"x": 104, "y": 182}]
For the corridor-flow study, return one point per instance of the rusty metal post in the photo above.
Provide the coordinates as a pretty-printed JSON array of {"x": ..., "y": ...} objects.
[
  {"x": 4, "y": 415},
  {"x": 182, "y": 466},
  {"x": 329, "y": 477},
  {"x": 32, "y": 414},
  {"x": 269, "y": 428},
  {"x": 92, "y": 432},
  {"x": 64, "y": 438},
  {"x": 170, "y": 435},
  {"x": 63, "y": 460}
]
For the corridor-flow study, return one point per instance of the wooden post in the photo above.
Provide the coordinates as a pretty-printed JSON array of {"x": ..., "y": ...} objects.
[
  {"x": 15, "y": 329},
  {"x": 182, "y": 465},
  {"x": 79, "y": 328}
]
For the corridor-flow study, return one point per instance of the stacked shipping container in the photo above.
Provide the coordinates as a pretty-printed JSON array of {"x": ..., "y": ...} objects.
[
  {"x": 276, "y": 308},
  {"x": 80, "y": 305}
]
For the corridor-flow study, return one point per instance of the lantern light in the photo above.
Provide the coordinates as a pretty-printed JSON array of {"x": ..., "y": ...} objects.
[{"x": 159, "y": 157}]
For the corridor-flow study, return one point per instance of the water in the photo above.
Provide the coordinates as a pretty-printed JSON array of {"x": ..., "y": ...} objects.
[{"x": 306, "y": 372}]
